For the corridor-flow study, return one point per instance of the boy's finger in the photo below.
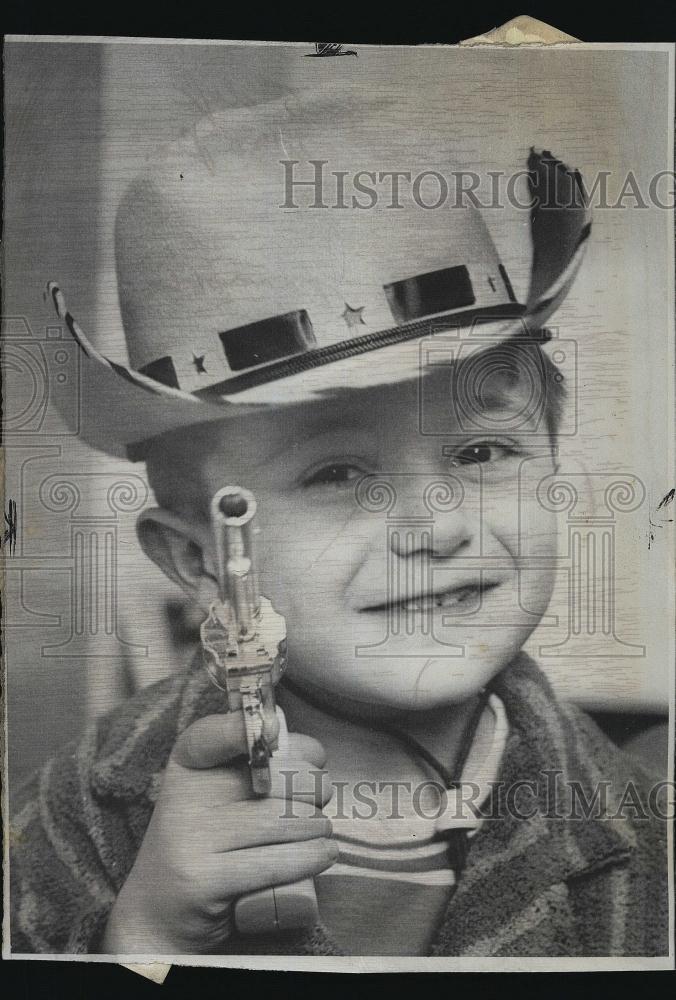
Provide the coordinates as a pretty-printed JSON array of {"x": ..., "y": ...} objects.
[
  {"x": 267, "y": 821},
  {"x": 304, "y": 747},
  {"x": 293, "y": 777},
  {"x": 217, "y": 739},
  {"x": 213, "y": 740},
  {"x": 238, "y": 872}
]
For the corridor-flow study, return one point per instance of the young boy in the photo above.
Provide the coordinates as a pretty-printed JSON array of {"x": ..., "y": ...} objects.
[{"x": 369, "y": 375}]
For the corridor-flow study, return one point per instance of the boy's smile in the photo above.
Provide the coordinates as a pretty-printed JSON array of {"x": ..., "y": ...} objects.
[
  {"x": 463, "y": 596},
  {"x": 410, "y": 568}
]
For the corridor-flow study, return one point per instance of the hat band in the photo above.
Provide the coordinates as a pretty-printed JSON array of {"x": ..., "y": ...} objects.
[
  {"x": 272, "y": 347},
  {"x": 359, "y": 345}
]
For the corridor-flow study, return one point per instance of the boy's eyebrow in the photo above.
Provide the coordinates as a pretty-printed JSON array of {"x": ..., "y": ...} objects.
[
  {"x": 327, "y": 424},
  {"x": 295, "y": 434},
  {"x": 337, "y": 420}
]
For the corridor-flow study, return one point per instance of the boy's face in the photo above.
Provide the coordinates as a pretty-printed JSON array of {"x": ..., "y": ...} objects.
[{"x": 398, "y": 593}]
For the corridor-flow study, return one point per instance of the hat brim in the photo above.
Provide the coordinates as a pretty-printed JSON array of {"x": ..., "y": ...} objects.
[{"x": 119, "y": 409}]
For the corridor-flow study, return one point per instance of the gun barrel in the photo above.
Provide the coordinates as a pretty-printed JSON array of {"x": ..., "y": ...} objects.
[{"x": 232, "y": 513}]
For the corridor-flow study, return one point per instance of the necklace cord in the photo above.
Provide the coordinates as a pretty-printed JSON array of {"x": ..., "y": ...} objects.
[
  {"x": 405, "y": 738},
  {"x": 458, "y": 843}
]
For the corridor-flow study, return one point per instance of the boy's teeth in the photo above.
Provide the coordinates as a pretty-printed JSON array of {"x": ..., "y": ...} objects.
[{"x": 447, "y": 600}]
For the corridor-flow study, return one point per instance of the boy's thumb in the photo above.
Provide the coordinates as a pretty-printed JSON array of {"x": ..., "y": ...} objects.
[{"x": 217, "y": 739}]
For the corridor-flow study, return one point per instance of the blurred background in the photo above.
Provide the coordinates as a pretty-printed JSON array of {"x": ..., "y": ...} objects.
[{"x": 87, "y": 618}]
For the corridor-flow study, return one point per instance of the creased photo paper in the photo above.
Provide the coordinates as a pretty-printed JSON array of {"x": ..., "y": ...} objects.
[{"x": 338, "y": 598}]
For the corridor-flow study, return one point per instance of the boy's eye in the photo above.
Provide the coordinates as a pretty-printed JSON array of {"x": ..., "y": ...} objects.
[
  {"x": 334, "y": 474},
  {"x": 482, "y": 452}
]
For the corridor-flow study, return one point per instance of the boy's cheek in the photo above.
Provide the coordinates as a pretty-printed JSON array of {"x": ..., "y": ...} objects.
[
  {"x": 537, "y": 536},
  {"x": 304, "y": 583},
  {"x": 304, "y": 553},
  {"x": 534, "y": 549},
  {"x": 518, "y": 515}
]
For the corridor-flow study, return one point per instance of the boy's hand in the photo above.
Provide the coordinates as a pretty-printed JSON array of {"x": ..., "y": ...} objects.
[{"x": 209, "y": 841}]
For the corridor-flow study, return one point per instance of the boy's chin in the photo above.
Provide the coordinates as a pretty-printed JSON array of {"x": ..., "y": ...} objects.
[
  {"x": 439, "y": 683},
  {"x": 400, "y": 685}
]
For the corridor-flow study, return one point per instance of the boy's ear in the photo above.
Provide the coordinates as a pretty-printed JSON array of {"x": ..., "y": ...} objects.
[{"x": 180, "y": 550}]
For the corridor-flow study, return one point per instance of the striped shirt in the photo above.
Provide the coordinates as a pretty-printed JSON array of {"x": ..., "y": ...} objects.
[{"x": 395, "y": 873}]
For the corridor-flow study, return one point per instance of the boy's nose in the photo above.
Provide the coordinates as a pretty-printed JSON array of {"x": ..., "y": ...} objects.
[
  {"x": 407, "y": 539},
  {"x": 443, "y": 537},
  {"x": 430, "y": 513}
]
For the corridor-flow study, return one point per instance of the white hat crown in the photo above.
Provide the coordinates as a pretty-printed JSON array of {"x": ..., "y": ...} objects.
[{"x": 228, "y": 293}]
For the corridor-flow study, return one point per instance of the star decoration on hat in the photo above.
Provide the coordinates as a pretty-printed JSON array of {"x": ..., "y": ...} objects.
[
  {"x": 353, "y": 317},
  {"x": 198, "y": 361}
]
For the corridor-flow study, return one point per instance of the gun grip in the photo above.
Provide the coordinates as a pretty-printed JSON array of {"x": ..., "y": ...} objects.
[{"x": 282, "y": 908}]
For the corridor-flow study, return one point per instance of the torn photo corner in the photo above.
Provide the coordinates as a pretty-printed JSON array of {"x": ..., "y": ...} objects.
[{"x": 339, "y": 491}]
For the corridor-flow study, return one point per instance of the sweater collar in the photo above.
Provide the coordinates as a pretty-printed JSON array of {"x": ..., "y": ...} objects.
[
  {"x": 540, "y": 838},
  {"x": 135, "y": 740},
  {"x": 551, "y": 746}
]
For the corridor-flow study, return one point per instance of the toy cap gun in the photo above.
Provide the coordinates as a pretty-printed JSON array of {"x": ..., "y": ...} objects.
[
  {"x": 243, "y": 638},
  {"x": 244, "y": 649}
]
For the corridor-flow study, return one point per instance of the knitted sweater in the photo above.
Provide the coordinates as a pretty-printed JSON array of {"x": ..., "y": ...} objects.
[{"x": 536, "y": 886}]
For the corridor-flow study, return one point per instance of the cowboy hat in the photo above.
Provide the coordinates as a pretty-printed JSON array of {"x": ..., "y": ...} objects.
[{"x": 235, "y": 297}]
